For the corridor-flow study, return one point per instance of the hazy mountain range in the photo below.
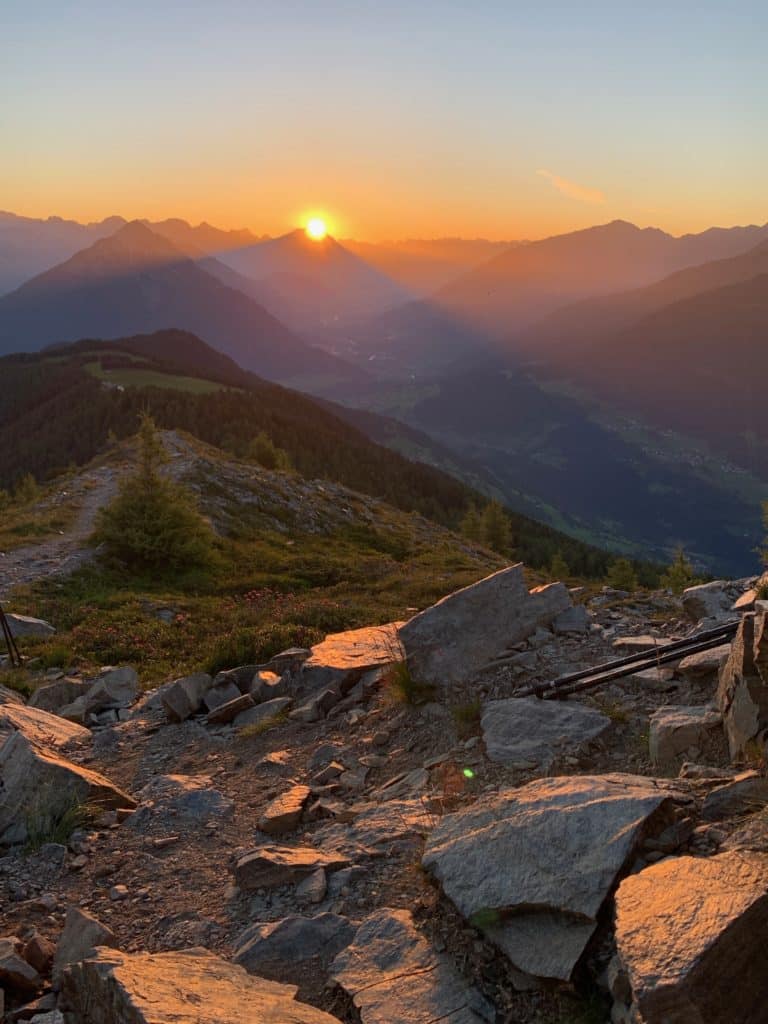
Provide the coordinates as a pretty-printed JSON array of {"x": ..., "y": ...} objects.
[{"x": 607, "y": 381}]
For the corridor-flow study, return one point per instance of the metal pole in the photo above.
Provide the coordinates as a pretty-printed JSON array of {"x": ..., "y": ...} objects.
[{"x": 10, "y": 643}]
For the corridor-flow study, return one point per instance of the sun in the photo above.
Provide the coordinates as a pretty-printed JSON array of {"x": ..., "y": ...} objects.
[{"x": 316, "y": 229}]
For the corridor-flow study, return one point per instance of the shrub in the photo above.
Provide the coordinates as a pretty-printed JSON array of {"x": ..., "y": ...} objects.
[
  {"x": 467, "y": 718},
  {"x": 680, "y": 573},
  {"x": 407, "y": 689},
  {"x": 255, "y": 646},
  {"x": 263, "y": 450},
  {"x": 152, "y": 524},
  {"x": 558, "y": 567},
  {"x": 26, "y": 490},
  {"x": 622, "y": 575},
  {"x": 53, "y": 818}
]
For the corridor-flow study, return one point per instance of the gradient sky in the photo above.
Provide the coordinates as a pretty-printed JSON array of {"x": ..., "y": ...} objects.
[{"x": 498, "y": 119}]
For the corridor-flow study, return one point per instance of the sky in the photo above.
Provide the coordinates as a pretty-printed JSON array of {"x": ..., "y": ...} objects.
[{"x": 504, "y": 120}]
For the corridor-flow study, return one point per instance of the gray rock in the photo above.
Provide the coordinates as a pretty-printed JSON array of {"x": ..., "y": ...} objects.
[
  {"x": 342, "y": 658},
  {"x": 529, "y": 729},
  {"x": 192, "y": 985},
  {"x": 691, "y": 934},
  {"x": 184, "y": 697},
  {"x": 26, "y": 626},
  {"x": 287, "y": 947},
  {"x": 284, "y": 812},
  {"x": 455, "y": 638},
  {"x": 81, "y": 935},
  {"x": 708, "y": 600},
  {"x": 533, "y": 866},
  {"x": 38, "y": 789},
  {"x": 8, "y": 696},
  {"x": 705, "y": 665},
  {"x": 270, "y": 867},
  {"x": 393, "y": 974},
  {"x": 40, "y": 727},
  {"x": 574, "y": 620},
  {"x": 173, "y": 799},
  {"x": 262, "y": 712},
  {"x": 112, "y": 688},
  {"x": 742, "y": 692},
  {"x": 223, "y": 714},
  {"x": 268, "y": 686},
  {"x": 56, "y": 695},
  {"x": 221, "y": 693},
  {"x": 744, "y": 794},
  {"x": 675, "y": 730}
]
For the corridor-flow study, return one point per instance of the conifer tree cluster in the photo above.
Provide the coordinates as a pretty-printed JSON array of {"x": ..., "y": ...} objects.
[{"x": 490, "y": 527}]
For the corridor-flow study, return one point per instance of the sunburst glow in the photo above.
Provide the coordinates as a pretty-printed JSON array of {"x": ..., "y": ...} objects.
[{"x": 317, "y": 229}]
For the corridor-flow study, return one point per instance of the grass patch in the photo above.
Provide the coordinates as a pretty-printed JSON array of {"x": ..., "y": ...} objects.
[
  {"x": 467, "y": 718},
  {"x": 145, "y": 378},
  {"x": 53, "y": 818},
  {"x": 249, "y": 732},
  {"x": 405, "y": 688},
  {"x": 18, "y": 680}
]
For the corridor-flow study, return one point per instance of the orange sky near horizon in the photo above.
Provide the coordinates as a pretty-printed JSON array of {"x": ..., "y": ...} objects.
[{"x": 505, "y": 121}]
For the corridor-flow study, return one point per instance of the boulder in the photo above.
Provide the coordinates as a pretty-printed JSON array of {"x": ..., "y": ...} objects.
[
  {"x": 393, "y": 974},
  {"x": 742, "y": 692},
  {"x": 112, "y": 688},
  {"x": 574, "y": 620},
  {"x": 744, "y": 794},
  {"x": 263, "y": 712},
  {"x": 271, "y": 867},
  {"x": 529, "y": 729},
  {"x": 267, "y": 686},
  {"x": 174, "y": 799},
  {"x": 26, "y": 626},
  {"x": 58, "y": 694},
  {"x": 81, "y": 935},
  {"x": 532, "y": 867},
  {"x": 293, "y": 945},
  {"x": 283, "y": 814},
  {"x": 8, "y": 696},
  {"x": 184, "y": 697},
  {"x": 457, "y": 637},
  {"x": 40, "y": 727},
  {"x": 221, "y": 693},
  {"x": 191, "y": 986},
  {"x": 707, "y": 601},
  {"x": 691, "y": 936},
  {"x": 342, "y": 658},
  {"x": 678, "y": 731},
  {"x": 223, "y": 714},
  {"x": 705, "y": 665},
  {"x": 38, "y": 789}
]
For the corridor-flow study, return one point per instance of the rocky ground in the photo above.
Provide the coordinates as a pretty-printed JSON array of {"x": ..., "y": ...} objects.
[{"x": 334, "y": 836}]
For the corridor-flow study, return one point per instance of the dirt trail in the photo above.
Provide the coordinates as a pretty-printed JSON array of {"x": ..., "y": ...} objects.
[{"x": 57, "y": 555}]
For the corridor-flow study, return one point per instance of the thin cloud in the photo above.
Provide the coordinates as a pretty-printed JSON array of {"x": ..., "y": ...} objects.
[{"x": 570, "y": 188}]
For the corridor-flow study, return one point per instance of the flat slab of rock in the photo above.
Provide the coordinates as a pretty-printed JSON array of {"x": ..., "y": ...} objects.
[
  {"x": 343, "y": 657},
  {"x": 638, "y": 644},
  {"x": 270, "y": 867},
  {"x": 283, "y": 814},
  {"x": 744, "y": 794},
  {"x": 26, "y": 625},
  {"x": 39, "y": 788},
  {"x": 533, "y": 866},
  {"x": 223, "y": 714},
  {"x": 691, "y": 934},
  {"x": 8, "y": 696},
  {"x": 455, "y": 638},
  {"x": 286, "y": 947},
  {"x": 170, "y": 799},
  {"x": 192, "y": 986},
  {"x": 529, "y": 729},
  {"x": 704, "y": 665},
  {"x": 263, "y": 712},
  {"x": 681, "y": 731},
  {"x": 393, "y": 974},
  {"x": 40, "y": 727}
]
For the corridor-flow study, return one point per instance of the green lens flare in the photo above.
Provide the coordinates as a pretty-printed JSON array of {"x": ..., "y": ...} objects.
[{"x": 468, "y": 773}]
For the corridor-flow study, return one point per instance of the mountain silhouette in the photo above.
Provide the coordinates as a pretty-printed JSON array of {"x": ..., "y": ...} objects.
[
  {"x": 306, "y": 282},
  {"x": 136, "y": 282}
]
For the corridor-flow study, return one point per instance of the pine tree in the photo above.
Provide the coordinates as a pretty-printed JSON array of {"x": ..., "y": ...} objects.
[
  {"x": 152, "y": 524},
  {"x": 496, "y": 530},
  {"x": 472, "y": 525},
  {"x": 558, "y": 567},
  {"x": 267, "y": 454},
  {"x": 622, "y": 575},
  {"x": 680, "y": 573}
]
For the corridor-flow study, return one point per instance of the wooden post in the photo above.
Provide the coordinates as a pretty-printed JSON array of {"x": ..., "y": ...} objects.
[{"x": 10, "y": 643}]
